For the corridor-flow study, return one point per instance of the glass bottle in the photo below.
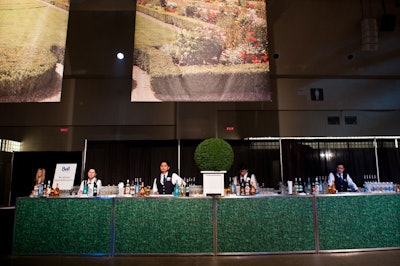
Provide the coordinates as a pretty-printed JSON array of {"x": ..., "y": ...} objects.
[
  {"x": 176, "y": 190},
  {"x": 132, "y": 189},
  {"x": 233, "y": 187},
  {"x": 127, "y": 188},
  {"x": 325, "y": 186},
  {"x": 40, "y": 189},
  {"x": 95, "y": 189},
  {"x": 57, "y": 191},
  {"x": 48, "y": 188},
  {"x": 242, "y": 188},
  {"x": 147, "y": 191},
  {"x": 295, "y": 186},
  {"x": 316, "y": 186},
  {"x": 85, "y": 187},
  {"x": 137, "y": 186},
  {"x": 187, "y": 188},
  {"x": 321, "y": 186},
  {"x": 142, "y": 191},
  {"x": 237, "y": 187},
  {"x": 252, "y": 189},
  {"x": 309, "y": 188},
  {"x": 300, "y": 190},
  {"x": 247, "y": 188},
  {"x": 182, "y": 190}
]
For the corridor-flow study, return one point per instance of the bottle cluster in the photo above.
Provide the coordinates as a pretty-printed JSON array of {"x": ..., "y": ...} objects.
[
  {"x": 136, "y": 188},
  {"x": 318, "y": 185},
  {"x": 380, "y": 187},
  {"x": 241, "y": 187},
  {"x": 88, "y": 191},
  {"x": 43, "y": 190},
  {"x": 183, "y": 190}
]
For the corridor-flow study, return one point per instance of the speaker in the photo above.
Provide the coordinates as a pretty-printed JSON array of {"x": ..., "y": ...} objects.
[{"x": 387, "y": 22}]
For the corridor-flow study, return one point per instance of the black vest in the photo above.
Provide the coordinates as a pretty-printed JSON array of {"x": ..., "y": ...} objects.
[
  {"x": 248, "y": 178},
  {"x": 168, "y": 187},
  {"x": 341, "y": 184}
]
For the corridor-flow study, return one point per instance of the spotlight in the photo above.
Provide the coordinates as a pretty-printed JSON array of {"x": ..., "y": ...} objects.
[{"x": 120, "y": 56}]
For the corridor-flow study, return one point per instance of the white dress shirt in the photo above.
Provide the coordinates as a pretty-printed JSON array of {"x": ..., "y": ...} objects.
[
  {"x": 350, "y": 181},
  {"x": 175, "y": 178},
  {"x": 91, "y": 185},
  {"x": 252, "y": 179}
]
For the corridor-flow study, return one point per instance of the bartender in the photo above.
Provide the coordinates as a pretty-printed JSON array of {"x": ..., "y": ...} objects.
[
  {"x": 342, "y": 179},
  {"x": 246, "y": 176},
  {"x": 92, "y": 179},
  {"x": 165, "y": 182}
]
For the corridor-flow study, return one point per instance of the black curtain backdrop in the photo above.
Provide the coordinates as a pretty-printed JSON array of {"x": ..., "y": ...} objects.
[
  {"x": 117, "y": 161},
  {"x": 303, "y": 159},
  {"x": 389, "y": 161}
]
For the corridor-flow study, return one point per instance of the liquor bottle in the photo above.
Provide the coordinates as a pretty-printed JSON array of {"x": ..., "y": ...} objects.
[
  {"x": 40, "y": 189},
  {"x": 36, "y": 190},
  {"x": 85, "y": 187},
  {"x": 44, "y": 190},
  {"x": 95, "y": 189},
  {"x": 316, "y": 186},
  {"x": 300, "y": 190},
  {"x": 176, "y": 190},
  {"x": 137, "y": 186},
  {"x": 182, "y": 190},
  {"x": 132, "y": 189},
  {"x": 309, "y": 188},
  {"x": 295, "y": 186},
  {"x": 127, "y": 188},
  {"x": 247, "y": 188},
  {"x": 252, "y": 189},
  {"x": 242, "y": 188},
  {"x": 187, "y": 189},
  {"x": 325, "y": 186},
  {"x": 321, "y": 187},
  {"x": 332, "y": 188},
  {"x": 142, "y": 191},
  {"x": 48, "y": 188},
  {"x": 57, "y": 191},
  {"x": 237, "y": 187},
  {"x": 232, "y": 184}
]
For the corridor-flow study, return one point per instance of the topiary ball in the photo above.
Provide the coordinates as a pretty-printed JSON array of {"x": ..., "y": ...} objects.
[{"x": 214, "y": 154}]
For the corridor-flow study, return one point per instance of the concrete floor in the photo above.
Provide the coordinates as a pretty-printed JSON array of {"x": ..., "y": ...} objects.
[{"x": 366, "y": 258}]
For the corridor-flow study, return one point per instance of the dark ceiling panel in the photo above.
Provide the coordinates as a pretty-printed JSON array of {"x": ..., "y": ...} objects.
[{"x": 95, "y": 36}]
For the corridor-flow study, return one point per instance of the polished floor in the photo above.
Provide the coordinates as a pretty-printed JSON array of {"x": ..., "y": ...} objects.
[{"x": 366, "y": 258}]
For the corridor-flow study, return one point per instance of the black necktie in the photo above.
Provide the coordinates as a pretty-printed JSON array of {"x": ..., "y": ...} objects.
[{"x": 165, "y": 180}]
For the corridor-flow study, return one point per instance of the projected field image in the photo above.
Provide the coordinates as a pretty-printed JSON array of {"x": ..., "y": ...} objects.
[
  {"x": 32, "y": 46},
  {"x": 204, "y": 50}
]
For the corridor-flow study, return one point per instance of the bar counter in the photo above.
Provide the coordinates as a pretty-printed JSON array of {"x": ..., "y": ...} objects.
[{"x": 112, "y": 226}]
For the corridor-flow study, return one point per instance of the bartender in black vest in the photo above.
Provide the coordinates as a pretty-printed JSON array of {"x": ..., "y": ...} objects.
[
  {"x": 342, "y": 179},
  {"x": 246, "y": 176},
  {"x": 165, "y": 183}
]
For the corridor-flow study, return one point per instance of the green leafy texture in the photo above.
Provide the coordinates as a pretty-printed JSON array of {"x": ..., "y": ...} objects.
[
  {"x": 214, "y": 154},
  {"x": 358, "y": 222},
  {"x": 62, "y": 226},
  {"x": 265, "y": 224},
  {"x": 163, "y": 225}
]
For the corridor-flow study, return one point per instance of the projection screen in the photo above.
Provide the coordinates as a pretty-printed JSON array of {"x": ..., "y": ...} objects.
[
  {"x": 200, "y": 50},
  {"x": 32, "y": 45}
]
